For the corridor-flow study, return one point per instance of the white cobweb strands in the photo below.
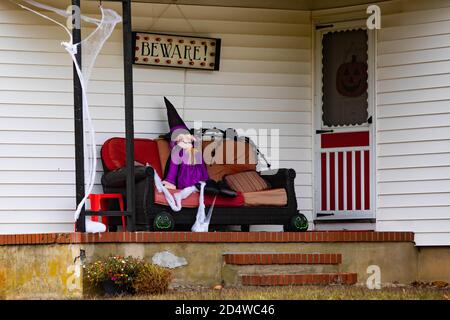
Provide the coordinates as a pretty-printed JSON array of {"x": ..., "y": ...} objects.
[{"x": 90, "y": 47}]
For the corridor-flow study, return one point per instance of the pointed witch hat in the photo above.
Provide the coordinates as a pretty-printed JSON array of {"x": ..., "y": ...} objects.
[{"x": 175, "y": 121}]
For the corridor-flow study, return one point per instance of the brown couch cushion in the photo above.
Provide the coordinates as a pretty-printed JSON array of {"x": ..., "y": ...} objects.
[
  {"x": 272, "y": 197},
  {"x": 249, "y": 181},
  {"x": 226, "y": 160},
  {"x": 229, "y": 157},
  {"x": 229, "y": 152},
  {"x": 218, "y": 171}
]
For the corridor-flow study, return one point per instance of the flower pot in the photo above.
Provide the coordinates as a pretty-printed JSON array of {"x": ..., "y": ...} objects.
[{"x": 113, "y": 289}]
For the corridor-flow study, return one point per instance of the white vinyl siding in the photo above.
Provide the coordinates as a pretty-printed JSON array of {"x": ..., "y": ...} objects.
[
  {"x": 413, "y": 123},
  {"x": 264, "y": 82}
]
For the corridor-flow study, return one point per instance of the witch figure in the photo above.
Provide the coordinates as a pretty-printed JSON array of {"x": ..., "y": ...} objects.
[{"x": 186, "y": 167}]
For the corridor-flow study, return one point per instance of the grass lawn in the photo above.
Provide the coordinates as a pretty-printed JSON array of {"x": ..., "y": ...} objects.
[{"x": 302, "y": 293}]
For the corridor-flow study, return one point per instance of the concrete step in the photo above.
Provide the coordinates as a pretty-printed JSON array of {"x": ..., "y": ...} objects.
[
  {"x": 265, "y": 258},
  {"x": 299, "y": 279}
]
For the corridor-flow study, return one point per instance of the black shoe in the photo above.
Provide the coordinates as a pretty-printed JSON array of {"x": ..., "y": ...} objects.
[
  {"x": 217, "y": 188},
  {"x": 211, "y": 187},
  {"x": 225, "y": 190}
]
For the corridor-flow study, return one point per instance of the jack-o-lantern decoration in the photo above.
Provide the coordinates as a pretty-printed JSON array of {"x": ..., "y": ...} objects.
[{"x": 351, "y": 78}]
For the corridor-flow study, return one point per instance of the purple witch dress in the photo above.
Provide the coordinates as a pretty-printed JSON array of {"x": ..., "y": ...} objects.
[{"x": 187, "y": 169}]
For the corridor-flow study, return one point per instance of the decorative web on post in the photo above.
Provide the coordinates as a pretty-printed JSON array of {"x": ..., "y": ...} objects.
[{"x": 91, "y": 47}]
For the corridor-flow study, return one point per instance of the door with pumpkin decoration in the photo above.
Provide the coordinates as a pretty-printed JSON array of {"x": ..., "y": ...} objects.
[{"x": 344, "y": 176}]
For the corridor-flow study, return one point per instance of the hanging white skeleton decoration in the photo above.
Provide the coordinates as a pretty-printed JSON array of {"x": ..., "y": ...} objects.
[{"x": 91, "y": 47}]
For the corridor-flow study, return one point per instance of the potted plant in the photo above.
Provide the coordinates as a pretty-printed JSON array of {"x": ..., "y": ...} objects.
[
  {"x": 127, "y": 275},
  {"x": 115, "y": 274}
]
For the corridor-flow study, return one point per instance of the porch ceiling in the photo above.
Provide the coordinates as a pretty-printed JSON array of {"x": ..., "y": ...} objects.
[{"x": 268, "y": 4}]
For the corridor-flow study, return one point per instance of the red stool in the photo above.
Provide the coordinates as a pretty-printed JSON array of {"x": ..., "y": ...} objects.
[{"x": 100, "y": 202}]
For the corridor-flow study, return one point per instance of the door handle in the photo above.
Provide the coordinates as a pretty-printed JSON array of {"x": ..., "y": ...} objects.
[
  {"x": 323, "y": 131},
  {"x": 320, "y": 214}
]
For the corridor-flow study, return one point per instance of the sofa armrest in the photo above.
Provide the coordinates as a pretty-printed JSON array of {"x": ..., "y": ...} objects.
[
  {"x": 280, "y": 178},
  {"x": 283, "y": 178},
  {"x": 115, "y": 182},
  {"x": 118, "y": 178}
]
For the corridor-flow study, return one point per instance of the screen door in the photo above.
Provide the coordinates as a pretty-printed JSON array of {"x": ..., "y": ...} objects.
[{"x": 343, "y": 126}]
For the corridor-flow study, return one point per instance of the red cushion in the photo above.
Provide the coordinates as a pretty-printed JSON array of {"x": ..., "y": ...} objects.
[
  {"x": 192, "y": 200},
  {"x": 145, "y": 151}
]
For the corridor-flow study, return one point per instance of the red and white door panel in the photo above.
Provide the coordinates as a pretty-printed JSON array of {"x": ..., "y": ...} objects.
[{"x": 345, "y": 174}]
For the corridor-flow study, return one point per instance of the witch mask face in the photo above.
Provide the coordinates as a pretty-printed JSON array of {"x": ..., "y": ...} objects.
[
  {"x": 190, "y": 145},
  {"x": 185, "y": 141}
]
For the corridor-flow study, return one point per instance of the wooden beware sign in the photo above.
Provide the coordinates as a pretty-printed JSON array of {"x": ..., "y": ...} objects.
[{"x": 167, "y": 50}]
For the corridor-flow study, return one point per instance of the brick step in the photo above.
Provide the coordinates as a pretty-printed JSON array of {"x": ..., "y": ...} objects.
[
  {"x": 298, "y": 279},
  {"x": 265, "y": 258},
  {"x": 232, "y": 274}
]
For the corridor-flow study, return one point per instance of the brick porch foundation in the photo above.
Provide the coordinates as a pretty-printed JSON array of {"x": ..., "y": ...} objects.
[
  {"x": 206, "y": 237},
  {"x": 233, "y": 258}
]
